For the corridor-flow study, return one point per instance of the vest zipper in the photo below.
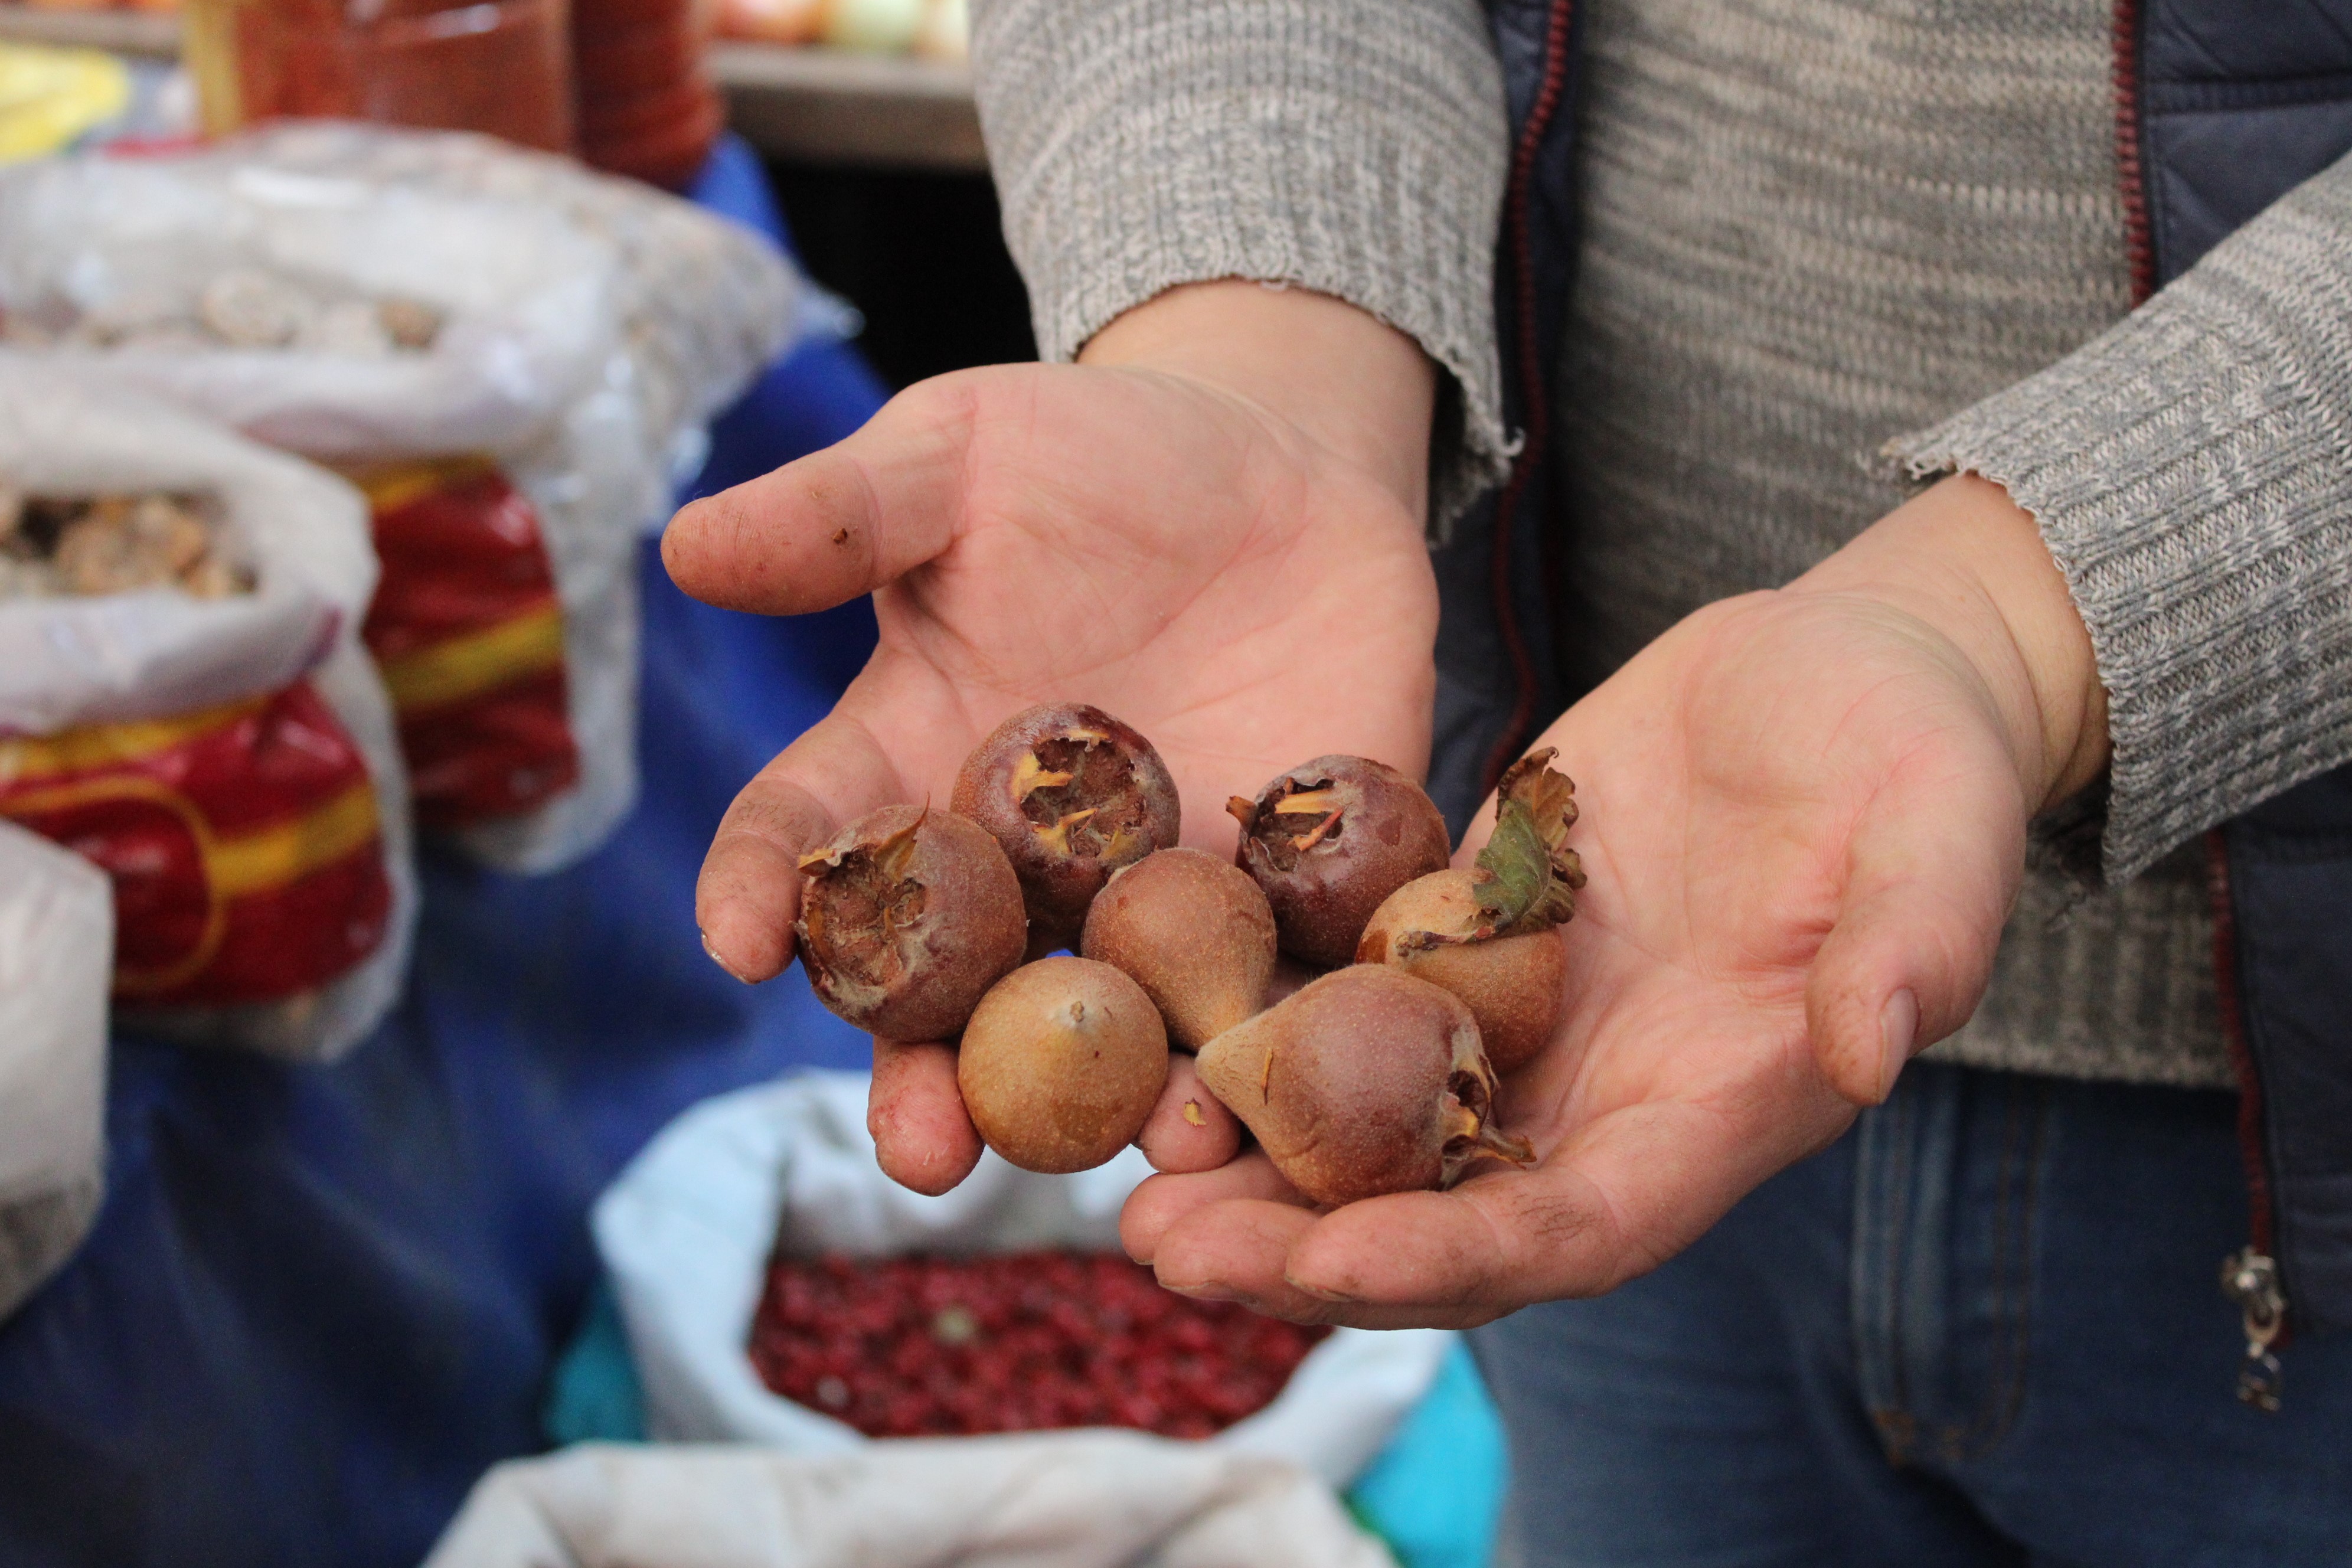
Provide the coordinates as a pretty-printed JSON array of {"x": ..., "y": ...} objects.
[
  {"x": 2250, "y": 1277},
  {"x": 1518, "y": 254}
]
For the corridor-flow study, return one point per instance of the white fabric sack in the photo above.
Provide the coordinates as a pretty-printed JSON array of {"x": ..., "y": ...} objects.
[
  {"x": 158, "y": 654},
  {"x": 1038, "y": 1500},
  {"x": 526, "y": 367},
  {"x": 687, "y": 1230},
  {"x": 57, "y": 959}
]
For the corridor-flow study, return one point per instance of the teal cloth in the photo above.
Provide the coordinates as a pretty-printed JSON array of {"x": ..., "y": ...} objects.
[{"x": 1434, "y": 1494}]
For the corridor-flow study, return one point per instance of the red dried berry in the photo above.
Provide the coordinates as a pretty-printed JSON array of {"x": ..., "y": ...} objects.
[{"x": 934, "y": 1347}]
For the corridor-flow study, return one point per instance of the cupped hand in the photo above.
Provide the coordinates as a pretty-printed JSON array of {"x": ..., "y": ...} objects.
[
  {"x": 1181, "y": 539},
  {"x": 1803, "y": 819}
]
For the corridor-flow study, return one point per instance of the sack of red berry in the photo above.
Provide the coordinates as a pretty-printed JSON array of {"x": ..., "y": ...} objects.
[
  {"x": 778, "y": 1288},
  {"x": 57, "y": 950},
  {"x": 458, "y": 357},
  {"x": 185, "y": 702}
]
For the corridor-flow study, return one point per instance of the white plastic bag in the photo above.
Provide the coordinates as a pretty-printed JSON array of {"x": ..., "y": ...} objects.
[
  {"x": 687, "y": 1230},
  {"x": 108, "y": 699},
  {"x": 57, "y": 954},
  {"x": 524, "y": 373},
  {"x": 1095, "y": 1499},
  {"x": 704, "y": 303}
]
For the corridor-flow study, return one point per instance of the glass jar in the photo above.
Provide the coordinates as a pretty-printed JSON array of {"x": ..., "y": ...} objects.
[{"x": 503, "y": 67}]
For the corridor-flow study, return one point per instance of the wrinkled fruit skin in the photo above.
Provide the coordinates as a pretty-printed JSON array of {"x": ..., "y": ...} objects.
[
  {"x": 1367, "y": 1081},
  {"x": 1195, "y": 932},
  {"x": 1061, "y": 1064},
  {"x": 1113, "y": 804},
  {"x": 1324, "y": 874},
  {"x": 1512, "y": 984},
  {"x": 902, "y": 935}
]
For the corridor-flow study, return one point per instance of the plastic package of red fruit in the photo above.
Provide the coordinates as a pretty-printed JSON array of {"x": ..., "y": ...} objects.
[{"x": 1010, "y": 1268}]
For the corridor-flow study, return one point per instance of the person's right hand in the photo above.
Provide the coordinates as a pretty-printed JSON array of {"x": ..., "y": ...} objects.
[{"x": 1211, "y": 528}]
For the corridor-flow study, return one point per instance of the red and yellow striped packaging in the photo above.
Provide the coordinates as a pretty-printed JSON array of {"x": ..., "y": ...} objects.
[
  {"x": 468, "y": 635},
  {"x": 243, "y": 841}
]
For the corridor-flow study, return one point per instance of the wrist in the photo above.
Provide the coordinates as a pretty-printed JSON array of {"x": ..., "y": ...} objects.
[
  {"x": 1347, "y": 380},
  {"x": 1970, "y": 562}
]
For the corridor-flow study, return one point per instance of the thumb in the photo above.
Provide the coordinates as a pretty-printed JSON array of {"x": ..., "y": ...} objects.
[
  {"x": 1928, "y": 889},
  {"x": 838, "y": 523},
  {"x": 749, "y": 890}
]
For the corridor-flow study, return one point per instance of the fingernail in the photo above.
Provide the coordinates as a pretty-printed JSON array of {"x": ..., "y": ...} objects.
[
  {"x": 1898, "y": 1025},
  {"x": 1207, "y": 1291},
  {"x": 1319, "y": 1292},
  {"x": 721, "y": 962}
]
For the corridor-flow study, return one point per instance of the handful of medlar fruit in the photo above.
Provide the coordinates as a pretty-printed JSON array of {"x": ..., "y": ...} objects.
[{"x": 1378, "y": 1077}]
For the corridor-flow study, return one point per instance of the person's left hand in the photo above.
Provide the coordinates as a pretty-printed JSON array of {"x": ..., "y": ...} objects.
[{"x": 1803, "y": 817}]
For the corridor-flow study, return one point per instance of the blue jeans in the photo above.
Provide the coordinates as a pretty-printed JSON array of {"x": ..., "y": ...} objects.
[{"x": 1983, "y": 1328}]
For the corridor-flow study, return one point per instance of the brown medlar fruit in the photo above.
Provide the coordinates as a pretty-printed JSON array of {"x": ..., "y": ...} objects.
[
  {"x": 1072, "y": 794},
  {"x": 1490, "y": 934},
  {"x": 1428, "y": 928},
  {"x": 1367, "y": 1081},
  {"x": 908, "y": 916},
  {"x": 1193, "y": 931},
  {"x": 1327, "y": 841},
  {"x": 1061, "y": 1064}
]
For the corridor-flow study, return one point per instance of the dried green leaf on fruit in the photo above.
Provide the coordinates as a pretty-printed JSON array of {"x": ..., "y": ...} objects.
[{"x": 1490, "y": 934}]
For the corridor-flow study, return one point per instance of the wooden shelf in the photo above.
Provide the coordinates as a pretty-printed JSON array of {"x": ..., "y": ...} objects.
[
  {"x": 143, "y": 33},
  {"x": 818, "y": 106},
  {"x": 828, "y": 106}
]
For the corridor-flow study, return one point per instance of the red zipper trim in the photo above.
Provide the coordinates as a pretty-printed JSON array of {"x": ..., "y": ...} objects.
[
  {"x": 2261, "y": 1230},
  {"x": 1519, "y": 248},
  {"x": 2139, "y": 243}
]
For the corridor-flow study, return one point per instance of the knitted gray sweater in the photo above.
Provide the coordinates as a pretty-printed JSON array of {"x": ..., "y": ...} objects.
[{"x": 1811, "y": 227}]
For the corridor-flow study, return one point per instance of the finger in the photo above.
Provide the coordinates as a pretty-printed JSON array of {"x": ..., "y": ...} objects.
[
  {"x": 836, "y": 523},
  {"x": 1624, "y": 1193},
  {"x": 749, "y": 890},
  {"x": 1159, "y": 1202},
  {"x": 923, "y": 1136},
  {"x": 1239, "y": 1251},
  {"x": 1929, "y": 884},
  {"x": 1187, "y": 1130}
]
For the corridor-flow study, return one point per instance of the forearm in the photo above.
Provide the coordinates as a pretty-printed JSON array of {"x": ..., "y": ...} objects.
[
  {"x": 2191, "y": 473},
  {"x": 1353, "y": 149}
]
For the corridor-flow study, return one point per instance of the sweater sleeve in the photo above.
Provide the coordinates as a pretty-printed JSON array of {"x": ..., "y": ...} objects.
[
  {"x": 2191, "y": 472},
  {"x": 1353, "y": 147}
]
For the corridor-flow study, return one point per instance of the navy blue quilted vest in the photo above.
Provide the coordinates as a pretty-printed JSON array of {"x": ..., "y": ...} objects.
[{"x": 2221, "y": 107}]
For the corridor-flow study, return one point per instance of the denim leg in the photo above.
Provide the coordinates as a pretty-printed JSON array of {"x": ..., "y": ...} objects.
[
  {"x": 2125, "y": 1443},
  {"x": 1711, "y": 1414},
  {"x": 1984, "y": 1328}
]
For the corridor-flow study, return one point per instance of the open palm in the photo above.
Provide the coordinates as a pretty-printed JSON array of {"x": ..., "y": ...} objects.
[
  {"x": 1803, "y": 823},
  {"x": 1148, "y": 543}
]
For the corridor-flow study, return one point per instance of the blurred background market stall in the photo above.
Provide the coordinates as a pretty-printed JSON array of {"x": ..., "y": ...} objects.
[{"x": 379, "y": 426}]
